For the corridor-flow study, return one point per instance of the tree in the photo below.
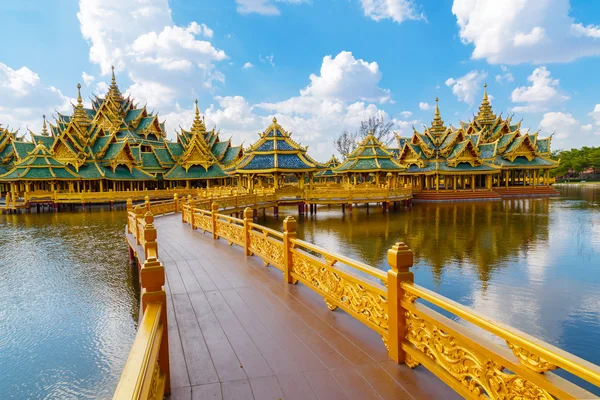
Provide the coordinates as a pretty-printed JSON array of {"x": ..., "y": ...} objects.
[{"x": 346, "y": 142}]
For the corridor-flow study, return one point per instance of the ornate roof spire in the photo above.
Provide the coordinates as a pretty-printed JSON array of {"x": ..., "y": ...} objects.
[
  {"x": 437, "y": 125},
  {"x": 44, "y": 127},
  {"x": 113, "y": 92},
  {"x": 113, "y": 81},
  {"x": 485, "y": 115},
  {"x": 198, "y": 125},
  {"x": 80, "y": 117}
]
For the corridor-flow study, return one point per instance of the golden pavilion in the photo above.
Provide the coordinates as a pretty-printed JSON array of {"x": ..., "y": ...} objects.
[{"x": 116, "y": 146}]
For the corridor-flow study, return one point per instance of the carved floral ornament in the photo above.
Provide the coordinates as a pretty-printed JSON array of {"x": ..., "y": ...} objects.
[{"x": 479, "y": 374}]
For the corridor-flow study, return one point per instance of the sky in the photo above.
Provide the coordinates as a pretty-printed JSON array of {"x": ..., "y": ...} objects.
[{"x": 319, "y": 66}]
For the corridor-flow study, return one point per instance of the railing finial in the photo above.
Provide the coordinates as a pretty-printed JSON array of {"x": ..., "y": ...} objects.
[{"x": 400, "y": 257}]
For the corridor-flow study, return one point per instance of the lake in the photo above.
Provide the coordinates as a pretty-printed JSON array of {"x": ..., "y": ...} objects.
[{"x": 69, "y": 302}]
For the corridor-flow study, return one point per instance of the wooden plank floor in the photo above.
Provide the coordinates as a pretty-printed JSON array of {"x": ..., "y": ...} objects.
[{"x": 236, "y": 331}]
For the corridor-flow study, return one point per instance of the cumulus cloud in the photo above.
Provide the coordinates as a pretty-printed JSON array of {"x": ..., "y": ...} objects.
[
  {"x": 346, "y": 78},
  {"x": 518, "y": 31},
  {"x": 87, "y": 79},
  {"x": 424, "y": 106},
  {"x": 542, "y": 93},
  {"x": 467, "y": 86},
  {"x": 25, "y": 99},
  {"x": 248, "y": 65},
  {"x": 568, "y": 131},
  {"x": 396, "y": 10},
  {"x": 140, "y": 38},
  {"x": 406, "y": 114},
  {"x": 316, "y": 115},
  {"x": 263, "y": 7}
]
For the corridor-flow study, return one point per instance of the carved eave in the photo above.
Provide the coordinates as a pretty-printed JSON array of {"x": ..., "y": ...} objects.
[
  {"x": 525, "y": 149},
  {"x": 418, "y": 140},
  {"x": 123, "y": 157},
  {"x": 63, "y": 153},
  {"x": 408, "y": 155},
  {"x": 197, "y": 154},
  {"x": 469, "y": 154}
]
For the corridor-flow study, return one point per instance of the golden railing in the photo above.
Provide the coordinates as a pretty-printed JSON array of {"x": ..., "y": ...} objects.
[
  {"x": 351, "y": 195},
  {"x": 414, "y": 333},
  {"x": 146, "y": 373}
]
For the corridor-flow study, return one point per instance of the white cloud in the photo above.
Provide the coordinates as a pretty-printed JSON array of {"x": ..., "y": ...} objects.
[
  {"x": 263, "y": 7},
  {"x": 25, "y": 99},
  {"x": 139, "y": 37},
  {"x": 424, "y": 106},
  {"x": 406, "y": 114},
  {"x": 316, "y": 115},
  {"x": 347, "y": 78},
  {"x": 265, "y": 59},
  {"x": 87, "y": 79},
  {"x": 518, "y": 31},
  {"x": 152, "y": 93},
  {"x": 536, "y": 35},
  {"x": 543, "y": 92},
  {"x": 568, "y": 131},
  {"x": 248, "y": 65},
  {"x": 396, "y": 10},
  {"x": 466, "y": 87},
  {"x": 587, "y": 128},
  {"x": 506, "y": 76}
]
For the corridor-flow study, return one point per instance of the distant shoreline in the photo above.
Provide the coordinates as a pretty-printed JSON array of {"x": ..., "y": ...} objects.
[{"x": 594, "y": 183}]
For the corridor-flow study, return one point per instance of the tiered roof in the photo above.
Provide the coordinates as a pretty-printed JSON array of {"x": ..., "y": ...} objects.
[
  {"x": 370, "y": 156},
  {"x": 114, "y": 139},
  {"x": 200, "y": 153},
  {"x": 275, "y": 151},
  {"x": 487, "y": 144},
  {"x": 329, "y": 168}
]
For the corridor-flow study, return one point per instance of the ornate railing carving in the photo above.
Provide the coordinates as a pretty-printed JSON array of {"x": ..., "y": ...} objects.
[
  {"x": 267, "y": 244},
  {"x": 230, "y": 229}
]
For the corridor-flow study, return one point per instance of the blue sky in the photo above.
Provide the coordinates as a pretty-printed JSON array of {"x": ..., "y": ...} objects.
[{"x": 320, "y": 66}]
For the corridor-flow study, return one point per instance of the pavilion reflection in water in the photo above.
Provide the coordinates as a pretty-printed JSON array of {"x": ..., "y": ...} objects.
[{"x": 484, "y": 236}]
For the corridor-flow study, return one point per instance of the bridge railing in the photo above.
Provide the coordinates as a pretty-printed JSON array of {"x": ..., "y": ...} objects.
[
  {"x": 338, "y": 193},
  {"x": 400, "y": 311},
  {"x": 146, "y": 373}
]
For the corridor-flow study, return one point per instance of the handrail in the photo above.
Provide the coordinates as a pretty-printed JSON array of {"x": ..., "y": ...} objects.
[
  {"x": 547, "y": 357},
  {"x": 413, "y": 333},
  {"x": 141, "y": 377},
  {"x": 146, "y": 374}
]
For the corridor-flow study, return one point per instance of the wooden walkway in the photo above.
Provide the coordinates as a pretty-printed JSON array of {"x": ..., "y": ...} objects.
[{"x": 236, "y": 331}]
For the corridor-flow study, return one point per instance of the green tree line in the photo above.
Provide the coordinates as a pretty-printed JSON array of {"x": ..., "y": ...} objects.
[{"x": 577, "y": 160}]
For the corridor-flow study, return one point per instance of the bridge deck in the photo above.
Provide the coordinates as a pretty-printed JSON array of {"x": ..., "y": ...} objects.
[{"x": 236, "y": 331}]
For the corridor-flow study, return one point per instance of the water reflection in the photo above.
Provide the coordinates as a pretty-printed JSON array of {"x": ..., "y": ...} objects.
[
  {"x": 531, "y": 263},
  {"x": 68, "y": 304}
]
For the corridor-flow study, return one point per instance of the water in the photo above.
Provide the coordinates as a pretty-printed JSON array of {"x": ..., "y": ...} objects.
[{"x": 69, "y": 303}]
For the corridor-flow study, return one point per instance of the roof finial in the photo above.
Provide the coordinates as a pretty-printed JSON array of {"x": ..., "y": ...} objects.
[
  {"x": 274, "y": 120},
  {"x": 197, "y": 111},
  {"x": 44, "y": 127},
  {"x": 113, "y": 81},
  {"x": 79, "y": 100}
]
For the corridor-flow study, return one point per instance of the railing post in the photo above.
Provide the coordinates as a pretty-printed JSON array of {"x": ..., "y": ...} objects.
[
  {"x": 400, "y": 258},
  {"x": 289, "y": 233},
  {"x": 129, "y": 209},
  {"x": 147, "y": 203},
  {"x": 248, "y": 218},
  {"x": 150, "y": 246},
  {"x": 214, "y": 209},
  {"x": 176, "y": 200},
  {"x": 138, "y": 234},
  {"x": 152, "y": 278}
]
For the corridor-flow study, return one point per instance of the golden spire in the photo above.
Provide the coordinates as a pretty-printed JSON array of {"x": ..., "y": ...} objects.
[
  {"x": 485, "y": 115},
  {"x": 113, "y": 81},
  {"x": 198, "y": 125},
  {"x": 114, "y": 92},
  {"x": 437, "y": 125},
  {"x": 274, "y": 120},
  {"x": 44, "y": 127},
  {"x": 80, "y": 117}
]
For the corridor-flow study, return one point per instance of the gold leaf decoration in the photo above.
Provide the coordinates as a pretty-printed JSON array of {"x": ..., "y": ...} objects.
[
  {"x": 530, "y": 360},
  {"x": 271, "y": 253},
  {"x": 481, "y": 375},
  {"x": 360, "y": 300}
]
